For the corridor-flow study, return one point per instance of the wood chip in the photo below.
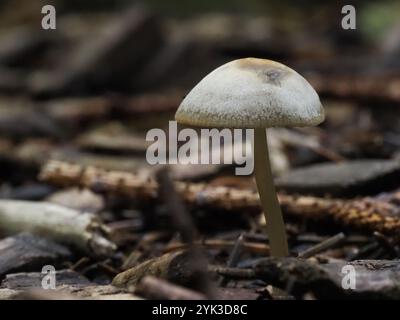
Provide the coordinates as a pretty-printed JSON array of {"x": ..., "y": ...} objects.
[{"x": 28, "y": 252}]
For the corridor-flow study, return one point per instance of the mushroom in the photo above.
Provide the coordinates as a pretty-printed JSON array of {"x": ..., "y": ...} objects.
[{"x": 258, "y": 94}]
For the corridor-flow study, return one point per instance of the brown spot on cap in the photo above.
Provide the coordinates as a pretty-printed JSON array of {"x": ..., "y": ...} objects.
[{"x": 266, "y": 70}]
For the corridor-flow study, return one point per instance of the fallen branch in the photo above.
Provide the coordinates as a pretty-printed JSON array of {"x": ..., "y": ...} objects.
[
  {"x": 322, "y": 246},
  {"x": 64, "y": 225}
]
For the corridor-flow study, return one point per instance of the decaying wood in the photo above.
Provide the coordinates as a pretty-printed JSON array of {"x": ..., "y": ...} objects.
[
  {"x": 105, "y": 292},
  {"x": 153, "y": 288},
  {"x": 70, "y": 285},
  {"x": 29, "y": 253},
  {"x": 173, "y": 267},
  {"x": 367, "y": 214},
  {"x": 78, "y": 199},
  {"x": 375, "y": 279},
  {"x": 32, "y": 280},
  {"x": 41, "y": 294},
  {"x": 8, "y": 294},
  {"x": 144, "y": 188},
  {"x": 81, "y": 230},
  {"x": 92, "y": 292}
]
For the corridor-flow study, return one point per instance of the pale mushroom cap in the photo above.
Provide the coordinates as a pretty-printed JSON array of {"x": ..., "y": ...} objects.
[{"x": 251, "y": 93}]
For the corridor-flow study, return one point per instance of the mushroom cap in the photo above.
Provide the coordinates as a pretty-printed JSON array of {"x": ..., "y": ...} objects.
[{"x": 251, "y": 93}]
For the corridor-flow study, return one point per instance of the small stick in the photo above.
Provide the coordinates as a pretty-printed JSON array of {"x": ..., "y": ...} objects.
[
  {"x": 233, "y": 258},
  {"x": 233, "y": 273},
  {"x": 258, "y": 248},
  {"x": 237, "y": 249},
  {"x": 158, "y": 289},
  {"x": 185, "y": 226},
  {"x": 322, "y": 246}
]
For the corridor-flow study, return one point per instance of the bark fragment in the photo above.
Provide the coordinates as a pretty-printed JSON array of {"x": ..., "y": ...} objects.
[
  {"x": 173, "y": 267},
  {"x": 32, "y": 280},
  {"x": 28, "y": 252}
]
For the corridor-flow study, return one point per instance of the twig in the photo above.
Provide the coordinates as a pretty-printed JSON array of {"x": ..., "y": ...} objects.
[
  {"x": 237, "y": 249},
  {"x": 257, "y": 248},
  {"x": 153, "y": 288},
  {"x": 233, "y": 273},
  {"x": 324, "y": 245},
  {"x": 233, "y": 258},
  {"x": 183, "y": 223}
]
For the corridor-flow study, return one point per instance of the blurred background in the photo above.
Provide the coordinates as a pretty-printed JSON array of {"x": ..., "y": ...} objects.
[
  {"x": 90, "y": 89},
  {"x": 88, "y": 92}
]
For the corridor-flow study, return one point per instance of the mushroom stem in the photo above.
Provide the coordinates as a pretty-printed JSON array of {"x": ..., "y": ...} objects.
[{"x": 269, "y": 201}]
